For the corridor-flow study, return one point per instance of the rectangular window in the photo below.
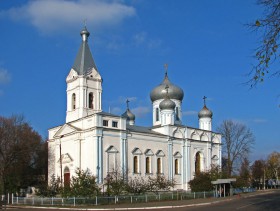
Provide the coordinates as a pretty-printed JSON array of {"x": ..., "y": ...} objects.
[
  {"x": 135, "y": 165},
  {"x": 114, "y": 124},
  {"x": 105, "y": 123},
  {"x": 159, "y": 166},
  {"x": 148, "y": 165},
  {"x": 157, "y": 114},
  {"x": 177, "y": 166}
]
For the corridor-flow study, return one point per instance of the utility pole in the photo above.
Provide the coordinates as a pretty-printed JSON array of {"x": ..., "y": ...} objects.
[
  {"x": 60, "y": 161},
  {"x": 264, "y": 178}
]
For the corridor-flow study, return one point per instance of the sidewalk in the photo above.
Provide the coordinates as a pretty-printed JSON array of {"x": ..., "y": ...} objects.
[{"x": 159, "y": 205}]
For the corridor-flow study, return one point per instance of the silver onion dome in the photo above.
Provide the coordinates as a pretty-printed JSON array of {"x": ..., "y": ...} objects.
[
  {"x": 205, "y": 112},
  {"x": 128, "y": 115},
  {"x": 167, "y": 104},
  {"x": 174, "y": 91}
]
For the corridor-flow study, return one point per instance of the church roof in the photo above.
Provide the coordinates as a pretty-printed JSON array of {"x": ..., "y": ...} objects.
[
  {"x": 141, "y": 129},
  {"x": 84, "y": 61},
  {"x": 108, "y": 114}
]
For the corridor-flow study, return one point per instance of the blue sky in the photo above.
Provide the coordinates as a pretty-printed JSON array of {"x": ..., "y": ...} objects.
[{"x": 205, "y": 43}]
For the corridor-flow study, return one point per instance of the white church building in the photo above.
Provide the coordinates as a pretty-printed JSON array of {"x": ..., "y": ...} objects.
[{"x": 101, "y": 142}]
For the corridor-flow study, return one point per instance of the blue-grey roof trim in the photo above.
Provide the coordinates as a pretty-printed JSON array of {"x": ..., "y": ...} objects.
[
  {"x": 141, "y": 129},
  {"x": 107, "y": 114}
]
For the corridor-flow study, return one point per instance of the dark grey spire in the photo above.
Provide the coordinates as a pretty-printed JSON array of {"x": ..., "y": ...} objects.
[{"x": 84, "y": 61}]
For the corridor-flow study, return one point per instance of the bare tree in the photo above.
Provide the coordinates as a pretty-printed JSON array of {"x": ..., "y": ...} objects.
[
  {"x": 244, "y": 179},
  {"x": 115, "y": 182},
  {"x": 238, "y": 141},
  {"x": 136, "y": 185},
  {"x": 159, "y": 183},
  {"x": 268, "y": 50}
]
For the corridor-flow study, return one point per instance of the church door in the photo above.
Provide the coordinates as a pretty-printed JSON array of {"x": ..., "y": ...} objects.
[{"x": 66, "y": 177}]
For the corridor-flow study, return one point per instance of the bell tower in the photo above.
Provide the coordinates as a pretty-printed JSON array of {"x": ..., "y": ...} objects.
[{"x": 84, "y": 84}]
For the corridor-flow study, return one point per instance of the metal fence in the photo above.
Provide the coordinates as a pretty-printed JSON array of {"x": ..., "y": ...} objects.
[
  {"x": 106, "y": 200},
  {"x": 123, "y": 199}
]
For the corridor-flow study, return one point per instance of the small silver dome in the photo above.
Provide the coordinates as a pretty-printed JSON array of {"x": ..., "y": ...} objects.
[
  {"x": 128, "y": 115},
  {"x": 174, "y": 91},
  {"x": 85, "y": 31},
  {"x": 205, "y": 112},
  {"x": 167, "y": 104}
]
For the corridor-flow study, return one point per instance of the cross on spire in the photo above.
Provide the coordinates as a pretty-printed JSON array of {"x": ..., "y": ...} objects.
[
  {"x": 204, "y": 99},
  {"x": 166, "y": 68},
  {"x": 85, "y": 22},
  {"x": 166, "y": 89},
  {"x": 127, "y": 101}
]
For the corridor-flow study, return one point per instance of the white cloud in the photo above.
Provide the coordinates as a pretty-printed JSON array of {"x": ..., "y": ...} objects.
[
  {"x": 189, "y": 113},
  {"x": 259, "y": 120},
  {"x": 142, "y": 39},
  {"x": 56, "y": 15},
  {"x": 116, "y": 110},
  {"x": 4, "y": 76},
  {"x": 123, "y": 99},
  {"x": 140, "y": 111}
]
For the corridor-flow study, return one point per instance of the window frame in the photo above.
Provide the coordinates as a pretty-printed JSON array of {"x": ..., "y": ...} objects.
[
  {"x": 90, "y": 100},
  {"x": 105, "y": 122},
  {"x": 115, "y": 124},
  {"x": 73, "y": 105},
  {"x": 157, "y": 114},
  {"x": 177, "y": 163},
  {"x": 160, "y": 155},
  {"x": 136, "y": 153}
]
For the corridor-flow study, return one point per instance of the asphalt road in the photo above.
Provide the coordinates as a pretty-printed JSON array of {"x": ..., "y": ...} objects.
[
  {"x": 262, "y": 202},
  {"x": 266, "y": 201}
]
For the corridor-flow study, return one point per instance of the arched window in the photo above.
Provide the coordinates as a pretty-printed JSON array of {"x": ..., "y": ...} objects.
[
  {"x": 90, "y": 100},
  {"x": 157, "y": 114},
  {"x": 111, "y": 159},
  {"x": 135, "y": 165},
  {"x": 73, "y": 101},
  {"x": 159, "y": 171},
  {"x": 148, "y": 165},
  {"x": 197, "y": 163},
  {"x": 66, "y": 177},
  {"x": 177, "y": 113},
  {"x": 176, "y": 162}
]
